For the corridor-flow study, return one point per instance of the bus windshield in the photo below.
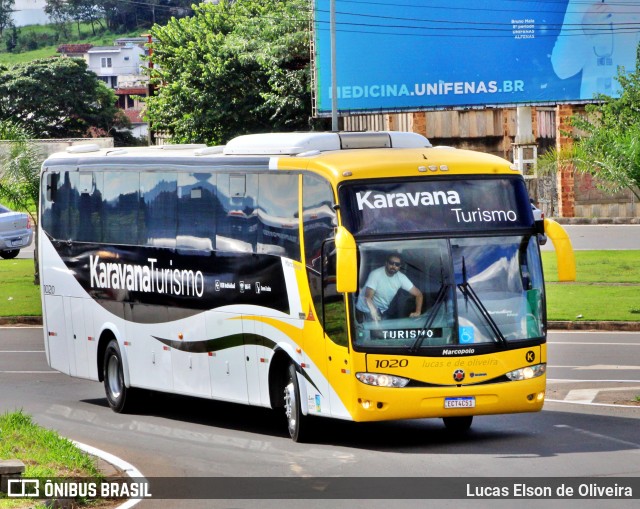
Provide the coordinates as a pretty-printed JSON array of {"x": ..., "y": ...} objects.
[{"x": 416, "y": 294}]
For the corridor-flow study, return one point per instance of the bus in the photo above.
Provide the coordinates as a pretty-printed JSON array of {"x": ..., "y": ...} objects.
[{"x": 235, "y": 273}]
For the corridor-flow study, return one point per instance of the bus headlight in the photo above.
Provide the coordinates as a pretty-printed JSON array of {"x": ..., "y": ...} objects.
[
  {"x": 382, "y": 380},
  {"x": 528, "y": 372}
]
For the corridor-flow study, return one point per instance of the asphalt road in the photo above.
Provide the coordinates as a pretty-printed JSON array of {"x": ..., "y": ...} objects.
[
  {"x": 604, "y": 236},
  {"x": 188, "y": 437}
]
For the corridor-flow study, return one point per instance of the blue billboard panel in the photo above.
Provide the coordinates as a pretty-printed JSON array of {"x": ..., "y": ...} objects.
[{"x": 421, "y": 54}]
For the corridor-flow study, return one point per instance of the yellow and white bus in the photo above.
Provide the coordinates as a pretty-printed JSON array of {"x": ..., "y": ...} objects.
[{"x": 239, "y": 273}]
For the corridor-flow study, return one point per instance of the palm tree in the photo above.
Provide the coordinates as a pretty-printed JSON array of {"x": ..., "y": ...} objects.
[{"x": 20, "y": 173}]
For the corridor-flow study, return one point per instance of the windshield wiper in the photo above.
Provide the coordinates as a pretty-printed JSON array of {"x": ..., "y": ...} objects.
[
  {"x": 442, "y": 294},
  {"x": 469, "y": 294}
]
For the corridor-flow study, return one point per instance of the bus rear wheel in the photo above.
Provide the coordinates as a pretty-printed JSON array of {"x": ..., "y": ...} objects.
[
  {"x": 119, "y": 396},
  {"x": 297, "y": 422},
  {"x": 458, "y": 424}
]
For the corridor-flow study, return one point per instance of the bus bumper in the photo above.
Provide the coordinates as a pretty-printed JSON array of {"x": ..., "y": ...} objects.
[{"x": 379, "y": 404}]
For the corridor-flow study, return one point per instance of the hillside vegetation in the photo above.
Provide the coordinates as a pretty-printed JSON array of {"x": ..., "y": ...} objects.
[{"x": 42, "y": 41}]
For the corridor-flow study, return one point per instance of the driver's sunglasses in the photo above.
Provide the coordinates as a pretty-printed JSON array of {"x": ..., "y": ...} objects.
[{"x": 394, "y": 264}]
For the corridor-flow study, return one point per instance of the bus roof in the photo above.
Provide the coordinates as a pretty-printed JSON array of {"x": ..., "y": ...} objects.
[
  {"x": 379, "y": 163},
  {"x": 336, "y": 156}
]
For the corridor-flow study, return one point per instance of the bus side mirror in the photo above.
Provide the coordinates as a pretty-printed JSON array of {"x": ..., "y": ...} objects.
[
  {"x": 346, "y": 261},
  {"x": 51, "y": 184}
]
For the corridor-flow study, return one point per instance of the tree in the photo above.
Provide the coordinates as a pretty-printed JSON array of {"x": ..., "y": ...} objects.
[
  {"x": 58, "y": 98},
  {"x": 6, "y": 12},
  {"x": 607, "y": 143},
  {"x": 59, "y": 12},
  {"x": 232, "y": 69},
  {"x": 19, "y": 173},
  {"x": 19, "y": 167},
  {"x": 124, "y": 15}
]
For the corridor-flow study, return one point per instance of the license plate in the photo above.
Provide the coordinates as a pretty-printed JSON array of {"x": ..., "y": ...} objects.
[
  {"x": 465, "y": 402},
  {"x": 17, "y": 243}
]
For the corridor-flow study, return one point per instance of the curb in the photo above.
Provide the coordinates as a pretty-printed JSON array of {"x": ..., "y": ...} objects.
[
  {"x": 20, "y": 320},
  {"x": 595, "y": 326},
  {"x": 120, "y": 464},
  {"x": 596, "y": 220}
]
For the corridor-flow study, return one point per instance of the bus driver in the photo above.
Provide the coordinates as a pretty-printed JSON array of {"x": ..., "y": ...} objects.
[{"x": 379, "y": 298}]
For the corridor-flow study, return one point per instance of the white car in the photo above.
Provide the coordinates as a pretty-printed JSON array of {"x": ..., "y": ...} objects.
[{"x": 16, "y": 232}]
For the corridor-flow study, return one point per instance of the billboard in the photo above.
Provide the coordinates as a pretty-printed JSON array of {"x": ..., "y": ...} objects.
[{"x": 429, "y": 54}]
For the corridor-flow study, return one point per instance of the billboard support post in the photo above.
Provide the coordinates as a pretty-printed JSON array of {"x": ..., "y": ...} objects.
[{"x": 334, "y": 81}]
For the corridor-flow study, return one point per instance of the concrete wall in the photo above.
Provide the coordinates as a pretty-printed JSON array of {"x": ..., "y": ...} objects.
[{"x": 48, "y": 147}]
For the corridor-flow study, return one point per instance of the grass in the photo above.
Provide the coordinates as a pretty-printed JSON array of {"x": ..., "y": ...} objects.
[
  {"x": 18, "y": 295},
  {"x": 44, "y": 453},
  {"x": 50, "y": 455},
  {"x": 607, "y": 287},
  {"x": 598, "y": 266}
]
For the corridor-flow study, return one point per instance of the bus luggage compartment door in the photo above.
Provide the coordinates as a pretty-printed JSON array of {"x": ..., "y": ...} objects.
[{"x": 55, "y": 334}]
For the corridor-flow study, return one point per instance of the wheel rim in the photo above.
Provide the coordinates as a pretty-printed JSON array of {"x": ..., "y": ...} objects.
[
  {"x": 113, "y": 377},
  {"x": 290, "y": 404}
]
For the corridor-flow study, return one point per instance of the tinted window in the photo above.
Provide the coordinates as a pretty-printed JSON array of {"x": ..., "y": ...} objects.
[
  {"x": 278, "y": 216},
  {"x": 61, "y": 218},
  {"x": 160, "y": 208},
  {"x": 89, "y": 191},
  {"x": 198, "y": 207},
  {"x": 121, "y": 207},
  {"x": 429, "y": 205},
  {"x": 318, "y": 216},
  {"x": 237, "y": 221}
]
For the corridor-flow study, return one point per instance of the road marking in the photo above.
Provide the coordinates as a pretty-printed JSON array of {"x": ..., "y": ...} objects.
[
  {"x": 596, "y": 367},
  {"x": 21, "y": 351},
  {"x": 31, "y": 372},
  {"x": 590, "y": 343},
  {"x": 608, "y": 366},
  {"x": 598, "y": 435},
  {"x": 590, "y": 380},
  {"x": 558, "y": 332},
  {"x": 123, "y": 465},
  {"x": 588, "y": 395},
  {"x": 581, "y": 395}
]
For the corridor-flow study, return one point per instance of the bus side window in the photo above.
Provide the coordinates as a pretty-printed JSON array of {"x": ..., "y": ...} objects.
[
  {"x": 89, "y": 228},
  {"x": 237, "y": 218},
  {"x": 121, "y": 205},
  {"x": 318, "y": 223},
  {"x": 56, "y": 213},
  {"x": 198, "y": 208},
  {"x": 278, "y": 231},
  {"x": 159, "y": 217},
  {"x": 335, "y": 316}
]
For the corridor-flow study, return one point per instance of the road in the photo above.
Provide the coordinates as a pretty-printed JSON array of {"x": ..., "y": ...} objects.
[
  {"x": 604, "y": 236},
  {"x": 183, "y": 437}
]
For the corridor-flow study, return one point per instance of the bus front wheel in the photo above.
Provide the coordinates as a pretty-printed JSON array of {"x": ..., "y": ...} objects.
[
  {"x": 297, "y": 422},
  {"x": 119, "y": 395},
  {"x": 458, "y": 424}
]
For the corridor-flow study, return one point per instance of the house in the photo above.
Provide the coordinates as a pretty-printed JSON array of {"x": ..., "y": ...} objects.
[
  {"x": 74, "y": 50},
  {"x": 129, "y": 91},
  {"x": 109, "y": 62},
  {"x": 120, "y": 67}
]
